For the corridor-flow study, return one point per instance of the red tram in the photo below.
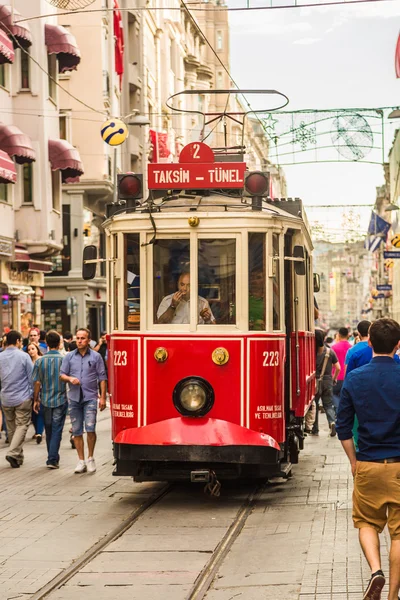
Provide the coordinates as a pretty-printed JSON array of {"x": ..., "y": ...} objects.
[{"x": 210, "y": 296}]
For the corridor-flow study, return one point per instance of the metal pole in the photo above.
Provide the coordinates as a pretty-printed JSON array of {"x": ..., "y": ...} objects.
[{"x": 115, "y": 179}]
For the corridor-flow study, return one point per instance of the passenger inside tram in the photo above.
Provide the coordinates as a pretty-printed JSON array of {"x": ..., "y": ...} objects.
[{"x": 175, "y": 308}]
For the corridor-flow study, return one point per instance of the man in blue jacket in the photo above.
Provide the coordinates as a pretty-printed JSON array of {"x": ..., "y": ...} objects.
[{"x": 372, "y": 393}]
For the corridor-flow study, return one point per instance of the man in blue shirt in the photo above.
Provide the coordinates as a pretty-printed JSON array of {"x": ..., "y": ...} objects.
[
  {"x": 354, "y": 351},
  {"x": 16, "y": 395},
  {"x": 372, "y": 393},
  {"x": 83, "y": 369},
  {"x": 53, "y": 396}
]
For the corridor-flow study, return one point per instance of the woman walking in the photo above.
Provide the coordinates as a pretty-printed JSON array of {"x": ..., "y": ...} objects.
[{"x": 37, "y": 418}]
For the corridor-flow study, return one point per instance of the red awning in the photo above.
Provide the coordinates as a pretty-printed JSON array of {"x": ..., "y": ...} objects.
[
  {"x": 21, "y": 254},
  {"x": 16, "y": 144},
  {"x": 40, "y": 266},
  {"x": 8, "y": 173},
  {"x": 6, "y": 49},
  {"x": 20, "y": 31},
  {"x": 61, "y": 42},
  {"x": 64, "y": 157}
]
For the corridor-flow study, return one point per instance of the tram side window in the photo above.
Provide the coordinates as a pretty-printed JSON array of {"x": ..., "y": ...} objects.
[
  {"x": 171, "y": 273},
  {"x": 132, "y": 300},
  {"x": 217, "y": 281},
  {"x": 257, "y": 302},
  {"x": 276, "y": 284}
]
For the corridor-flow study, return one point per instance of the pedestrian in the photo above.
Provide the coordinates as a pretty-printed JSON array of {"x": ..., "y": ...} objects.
[
  {"x": 50, "y": 394},
  {"x": 356, "y": 352},
  {"x": 35, "y": 352},
  {"x": 34, "y": 336},
  {"x": 61, "y": 347},
  {"x": 325, "y": 360},
  {"x": 372, "y": 393},
  {"x": 83, "y": 369},
  {"x": 341, "y": 347},
  {"x": 101, "y": 347},
  {"x": 16, "y": 395},
  {"x": 67, "y": 335}
]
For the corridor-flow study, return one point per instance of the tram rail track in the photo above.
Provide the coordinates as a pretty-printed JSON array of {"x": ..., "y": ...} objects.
[
  {"x": 97, "y": 548},
  {"x": 206, "y": 576}
]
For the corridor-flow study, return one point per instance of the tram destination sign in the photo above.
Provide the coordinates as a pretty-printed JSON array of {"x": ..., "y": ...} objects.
[{"x": 194, "y": 176}]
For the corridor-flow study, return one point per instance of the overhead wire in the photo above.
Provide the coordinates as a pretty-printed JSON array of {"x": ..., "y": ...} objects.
[{"x": 210, "y": 9}]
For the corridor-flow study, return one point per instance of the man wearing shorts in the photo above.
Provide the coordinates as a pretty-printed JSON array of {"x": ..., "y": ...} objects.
[
  {"x": 83, "y": 369},
  {"x": 372, "y": 394}
]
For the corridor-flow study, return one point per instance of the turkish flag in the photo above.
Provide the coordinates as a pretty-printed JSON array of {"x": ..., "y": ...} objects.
[
  {"x": 119, "y": 42},
  {"x": 397, "y": 58}
]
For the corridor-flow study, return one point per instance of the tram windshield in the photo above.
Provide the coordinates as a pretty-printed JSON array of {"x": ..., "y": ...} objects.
[
  {"x": 217, "y": 278},
  {"x": 257, "y": 262},
  {"x": 171, "y": 272},
  {"x": 132, "y": 300}
]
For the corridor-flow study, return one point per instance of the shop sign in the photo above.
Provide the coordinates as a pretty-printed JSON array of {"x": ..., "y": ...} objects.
[
  {"x": 384, "y": 287},
  {"x": 6, "y": 247},
  {"x": 21, "y": 276},
  {"x": 391, "y": 254}
]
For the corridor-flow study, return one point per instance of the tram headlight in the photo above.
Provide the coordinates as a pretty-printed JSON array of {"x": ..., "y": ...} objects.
[{"x": 193, "y": 397}]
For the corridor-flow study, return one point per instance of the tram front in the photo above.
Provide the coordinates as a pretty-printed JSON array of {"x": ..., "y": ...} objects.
[{"x": 203, "y": 309}]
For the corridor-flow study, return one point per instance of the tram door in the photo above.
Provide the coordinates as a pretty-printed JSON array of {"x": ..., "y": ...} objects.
[{"x": 289, "y": 320}]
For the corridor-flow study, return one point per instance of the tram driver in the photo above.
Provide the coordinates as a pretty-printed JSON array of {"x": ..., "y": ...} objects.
[{"x": 175, "y": 308}]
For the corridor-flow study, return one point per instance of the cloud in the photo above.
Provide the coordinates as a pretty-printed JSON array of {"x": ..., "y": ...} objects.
[{"x": 307, "y": 41}]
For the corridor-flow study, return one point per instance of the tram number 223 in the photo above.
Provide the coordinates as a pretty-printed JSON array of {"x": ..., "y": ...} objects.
[
  {"x": 271, "y": 359},
  {"x": 120, "y": 358}
]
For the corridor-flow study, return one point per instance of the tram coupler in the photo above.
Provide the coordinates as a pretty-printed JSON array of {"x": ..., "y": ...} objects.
[{"x": 201, "y": 476}]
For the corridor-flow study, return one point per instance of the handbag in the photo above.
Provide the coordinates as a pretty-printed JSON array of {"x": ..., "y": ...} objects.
[{"x": 318, "y": 386}]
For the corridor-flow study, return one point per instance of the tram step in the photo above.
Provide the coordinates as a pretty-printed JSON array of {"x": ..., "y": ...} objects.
[{"x": 199, "y": 476}]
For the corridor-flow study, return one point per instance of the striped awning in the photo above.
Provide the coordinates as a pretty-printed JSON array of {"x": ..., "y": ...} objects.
[
  {"x": 21, "y": 254},
  {"x": 18, "y": 32},
  {"x": 61, "y": 42},
  {"x": 8, "y": 172},
  {"x": 7, "y": 54}
]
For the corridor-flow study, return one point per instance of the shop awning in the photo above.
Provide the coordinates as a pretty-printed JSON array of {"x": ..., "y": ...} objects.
[
  {"x": 40, "y": 266},
  {"x": 8, "y": 172},
  {"x": 21, "y": 254},
  {"x": 65, "y": 158},
  {"x": 16, "y": 144},
  {"x": 6, "y": 49},
  {"x": 61, "y": 42},
  {"x": 20, "y": 31}
]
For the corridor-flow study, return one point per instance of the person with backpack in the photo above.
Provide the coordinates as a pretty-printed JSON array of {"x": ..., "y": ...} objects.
[{"x": 326, "y": 363}]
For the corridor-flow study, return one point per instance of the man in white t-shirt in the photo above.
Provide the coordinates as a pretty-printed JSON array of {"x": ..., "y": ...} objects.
[{"x": 175, "y": 308}]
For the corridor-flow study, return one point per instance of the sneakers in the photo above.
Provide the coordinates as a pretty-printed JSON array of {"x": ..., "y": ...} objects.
[
  {"x": 91, "y": 465},
  {"x": 38, "y": 438},
  {"x": 375, "y": 585},
  {"x": 52, "y": 465},
  {"x": 333, "y": 430},
  {"x": 80, "y": 467}
]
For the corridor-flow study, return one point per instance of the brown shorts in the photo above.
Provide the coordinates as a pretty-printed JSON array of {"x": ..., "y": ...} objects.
[{"x": 376, "y": 497}]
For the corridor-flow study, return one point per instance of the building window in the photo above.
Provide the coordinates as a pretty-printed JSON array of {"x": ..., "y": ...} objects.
[
  {"x": 55, "y": 189},
  {"x": 28, "y": 184},
  {"x": 4, "y": 76},
  {"x": 25, "y": 70},
  {"x": 64, "y": 125},
  {"x": 52, "y": 71},
  {"x": 3, "y": 192},
  {"x": 219, "y": 40}
]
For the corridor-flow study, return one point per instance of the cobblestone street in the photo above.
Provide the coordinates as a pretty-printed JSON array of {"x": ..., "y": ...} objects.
[{"x": 298, "y": 542}]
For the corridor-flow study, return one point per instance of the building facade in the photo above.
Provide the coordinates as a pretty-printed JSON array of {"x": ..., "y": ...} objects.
[{"x": 34, "y": 159}]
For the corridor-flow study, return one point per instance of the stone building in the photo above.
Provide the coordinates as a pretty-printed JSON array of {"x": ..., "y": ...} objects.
[{"x": 35, "y": 160}]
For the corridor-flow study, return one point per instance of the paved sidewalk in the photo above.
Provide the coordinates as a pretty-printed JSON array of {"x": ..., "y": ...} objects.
[
  {"x": 300, "y": 542},
  {"x": 49, "y": 518}
]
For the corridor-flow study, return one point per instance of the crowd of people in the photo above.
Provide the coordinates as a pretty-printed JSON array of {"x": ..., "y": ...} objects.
[
  {"x": 62, "y": 375},
  {"x": 358, "y": 385}
]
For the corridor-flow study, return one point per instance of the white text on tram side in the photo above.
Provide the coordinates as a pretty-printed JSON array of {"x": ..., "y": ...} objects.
[
  {"x": 271, "y": 359},
  {"x": 120, "y": 358},
  {"x": 217, "y": 175}
]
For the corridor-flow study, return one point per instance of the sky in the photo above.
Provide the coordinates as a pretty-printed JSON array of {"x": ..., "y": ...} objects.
[{"x": 324, "y": 57}]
